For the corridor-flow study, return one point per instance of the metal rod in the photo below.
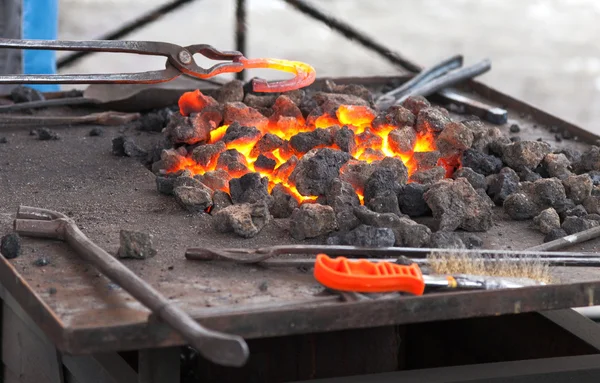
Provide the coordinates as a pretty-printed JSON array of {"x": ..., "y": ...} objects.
[
  {"x": 224, "y": 349},
  {"x": 103, "y": 118},
  {"x": 240, "y": 32},
  {"x": 353, "y": 34},
  {"x": 129, "y": 27},
  {"x": 569, "y": 240}
]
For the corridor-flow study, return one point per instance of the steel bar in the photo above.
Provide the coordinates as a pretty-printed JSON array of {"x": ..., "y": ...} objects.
[
  {"x": 240, "y": 32},
  {"x": 484, "y": 111},
  {"x": 103, "y": 118},
  {"x": 353, "y": 34},
  {"x": 129, "y": 27},
  {"x": 224, "y": 349},
  {"x": 569, "y": 240}
]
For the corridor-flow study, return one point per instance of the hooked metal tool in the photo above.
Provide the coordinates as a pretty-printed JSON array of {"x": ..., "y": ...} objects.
[{"x": 180, "y": 61}]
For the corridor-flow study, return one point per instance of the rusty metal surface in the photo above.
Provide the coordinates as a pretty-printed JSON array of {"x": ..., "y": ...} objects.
[{"x": 83, "y": 312}]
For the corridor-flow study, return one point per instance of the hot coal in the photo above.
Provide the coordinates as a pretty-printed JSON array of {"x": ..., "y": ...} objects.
[
  {"x": 385, "y": 202},
  {"x": 237, "y": 132},
  {"x": 415, "y": 104},
  {"x": 10, "y": 246},
  {"x": 207, "y": 155},
  {"x": 312, "y": 220},
  {"x": 457, "y": 205},
  {"x": 525, "y": 154},
  {"x": 267, "y": 143},
  {"x": 284, "y": 106},
  {"x": 556, "y": 165},
  {"x": 221, "y": 200},
  {"x": 446, "y": 240},
  {"x": 480, "y": 162},
  {"x": 357, "y": 173},
  {"x": 350, "y": 89},
  {"x": 136, "y": 245},
  {"x": 547, "y": 220},
  {"x": 578, "y": 188},
  {"x": 428, "y": 176},
  {"x": 304, "y": 142},
  {"x": 411, "y": 201},
  {"x": 96, "y": 132},
  {"x": 245, "y": 220},
  {"x": 344, "y": 139},
  {"x": 126, "y": 146},
  {"x": 573, "y": 225},
  {"x": 182, "y": 130},
  {"x": 283, "y": 202},
  {"x": 330, "y": 102},
  {"x": 233, "y": 91},
  {"x": 382, "y": 180},
  {"x": 406, "y": 231},
  {"x": 554, "y": 235},
  {"x": 454, "y": 139},
  {"x": 342, "y": 197},
  {"x": 243, "y": 115},
  {"x": 215, "y": 180},
  {"x": 395, "y": 115},
  {"x": 432, "y": 120},
  {"x": 250, "y": 188},
  {"x": 23, "y": 93},
  {"x": 402, "y": 140},
  {"x": 260, "y": 102},
  {"x": 426, "y": 160},
  {"x": 232, "y": 161},
  {"x": 501, "y": 185},
  {"x": 478, "y": 181},
  {"x": 186, "y": 181},
  {"x": 194, "y": 198},
  {"x": 264, "y": 163},
  {"x": 45, "y": 134},
  {"x": 316, "y": 169},
  {"x": 364, "y": 236}
]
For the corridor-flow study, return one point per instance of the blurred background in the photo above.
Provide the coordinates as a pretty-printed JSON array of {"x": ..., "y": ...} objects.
[{"x": 544, "y": 52}]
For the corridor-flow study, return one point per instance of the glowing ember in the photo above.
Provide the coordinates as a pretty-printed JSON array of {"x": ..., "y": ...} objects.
[{"x": 242, "y": 154}]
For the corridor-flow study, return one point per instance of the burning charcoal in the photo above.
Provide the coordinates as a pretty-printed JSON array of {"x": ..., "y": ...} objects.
[
  {"x": 312, "y": 220},
  {"x": 547, "y": 220},
  {"x": 426, "y": 160},
  {"x": 206, "y": 155},
  {"x": 397, "y": 166},
  {"x": 357, "y": 173},
  {"x": 237, "y": 132},
  {"x": 316, "y": 169},
  {"x": 244, "y": 115},
  {"x": 284, "y": 171},
  {"x": 221, "y": 200},
  {"x": 429, "y": 176},
  {"x": 457, "y": 205},
  {"x": 245, "y": 220},
  {"x": 23, "y": 93},
  {"x": 344, "y": 139},
  {"x": 528, "y": 175},
  {"x": 578, "y": 188},
  {"x": 371, "y": 154},
  {"x": 186, "y": 181},
  {"x": 365, "y": 236},
  {"x": 411, "y": 202},
  {"x": 520, "y": 207},
  {"x": 264, "y": 163},
  {"x": 194, "y": 199},
  {"x": 415, "y": 104},
  {"x": 501, "y": 185},
  {"x": 481, "y": 163},
  {"x": 215, "y": 180},
  {"x": 368, "y": 139},
  {"x": 590, "y": 160},
  {"x": 250, "y": 188},
  {"x": 266, "y": 144},
  {"x": 573, "y": 225},
  {"x": 343, "y": 199},
  {"x": 233, "y": 91},
  {"x": 181, "y": 130},
  {"x": 125, "y": 146},
  {"x": 572, "y": 155},
  {"x": 554, "y": 235},
  {"x": 45, "y": 134},
  {"x": 431, "y": 120},
  {"x": 169, "y": 159},
  {"x": 407, "y": 232},
  {"x": 472, "y": 241},
  {"x": 285, "y": 107},
  {"x": 136, "y": 245},
  {"x": 329, "y": 102},
  {"x": 350, "y": 89},
  {"x": 446, "y": 240},
  {"x": 305, "y": 141},
  {"x": 385, "y": 202},
  {"x": 10, "y": 246},
  {"x": 454, "y": 139},
  {"x": 396, "y": 115},
  {"x": 381, "y": 180},
  {"x": 402, "y": 140},
  {"x": 525, "y": 154},
  {"x": 557, "y": 165},
  {"x": 96, "y": 132},
  {"x": 232, "y": 161},
  {"x": 475, "y": 179},
  {"x": 259, "y": 101},
  {"x": 283, "y": 202}
]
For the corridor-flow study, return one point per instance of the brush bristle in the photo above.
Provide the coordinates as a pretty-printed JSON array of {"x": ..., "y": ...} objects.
[{"x": 497, "y": 265}]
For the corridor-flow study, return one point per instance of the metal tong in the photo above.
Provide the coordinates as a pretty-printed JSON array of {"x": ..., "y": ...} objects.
[
  {"x": 436, "y": 80},
  {"x": 180, "y": 61}
]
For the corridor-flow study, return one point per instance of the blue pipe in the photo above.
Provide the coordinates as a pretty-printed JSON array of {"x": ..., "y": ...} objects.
[{"x": 40, "y": 21}]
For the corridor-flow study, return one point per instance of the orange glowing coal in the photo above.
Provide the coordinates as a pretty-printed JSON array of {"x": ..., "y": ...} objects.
[{"x": 371, "y": 143}]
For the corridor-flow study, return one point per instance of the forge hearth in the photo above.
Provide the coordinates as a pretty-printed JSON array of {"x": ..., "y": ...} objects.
[{"x": 331, "y": 166}]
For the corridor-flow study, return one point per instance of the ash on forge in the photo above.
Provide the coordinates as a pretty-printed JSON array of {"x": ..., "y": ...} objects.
[{"x": 338, "y": 168}]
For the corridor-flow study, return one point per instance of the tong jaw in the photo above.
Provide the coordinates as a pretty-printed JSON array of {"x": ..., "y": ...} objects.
[{"x": 184, "y": 61}]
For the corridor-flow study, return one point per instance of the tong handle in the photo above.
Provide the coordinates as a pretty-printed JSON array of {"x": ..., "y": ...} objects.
[{"x": 152, "y": 48}]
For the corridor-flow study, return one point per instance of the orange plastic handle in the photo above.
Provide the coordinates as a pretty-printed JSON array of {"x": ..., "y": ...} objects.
[{"x": 368, "y": 277}]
